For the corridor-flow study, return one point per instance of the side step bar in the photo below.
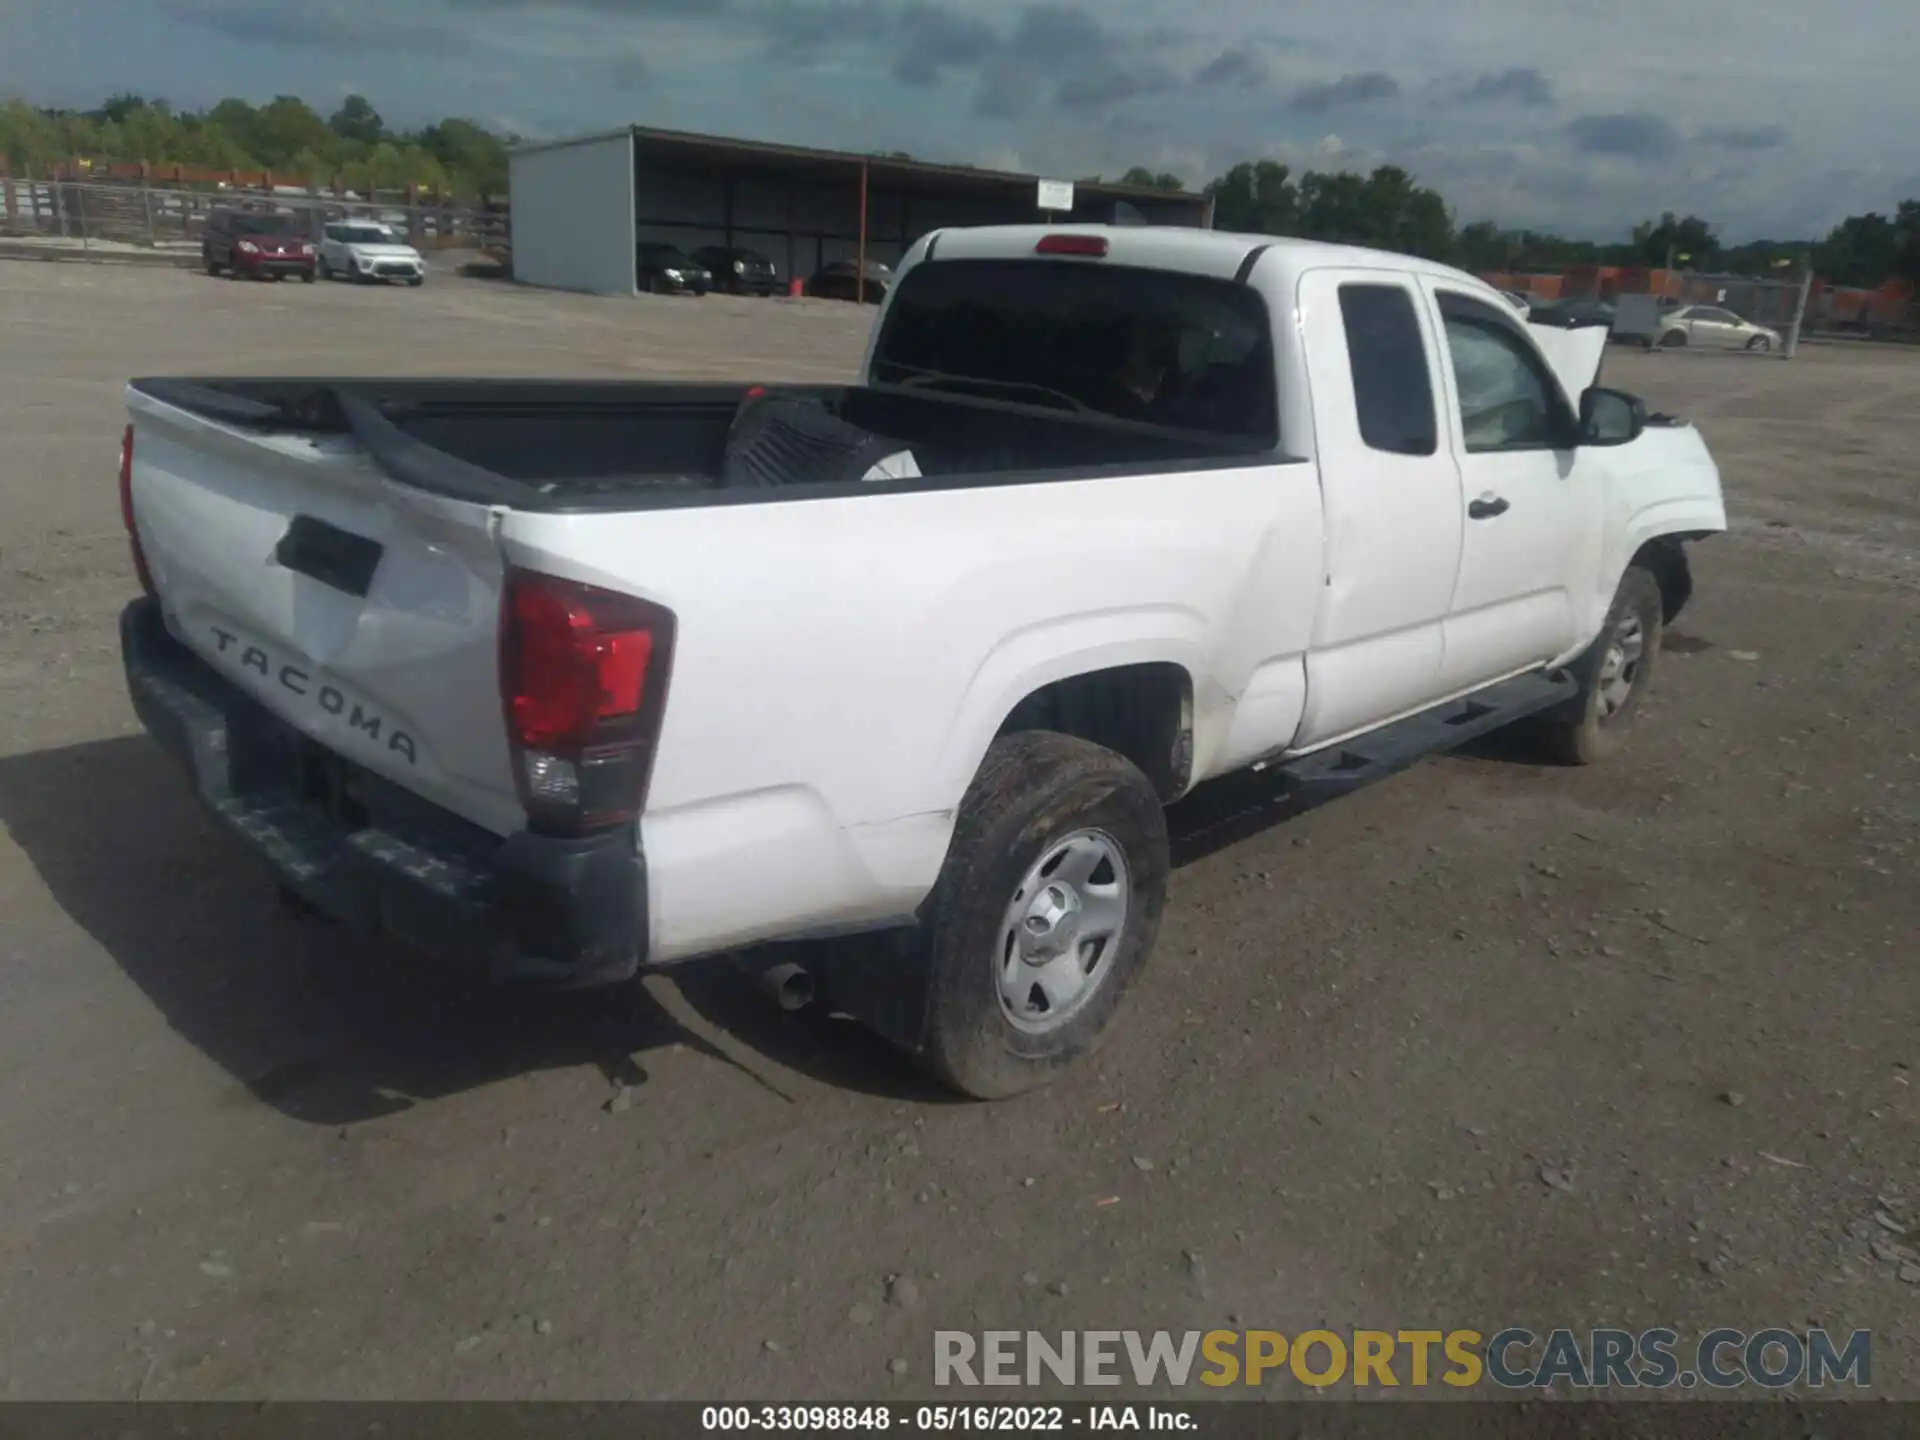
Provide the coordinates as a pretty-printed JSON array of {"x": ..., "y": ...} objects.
[
  {"x": 1341, "y": 769},
  {"x": 1225, "y": 811}
]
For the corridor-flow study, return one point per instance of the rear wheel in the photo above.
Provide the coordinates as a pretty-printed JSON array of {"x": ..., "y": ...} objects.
[
  {"x": 1673, "y": 340},
  {"x": 1616, "y": 671},
  {"x": 1045, "y": 911}
]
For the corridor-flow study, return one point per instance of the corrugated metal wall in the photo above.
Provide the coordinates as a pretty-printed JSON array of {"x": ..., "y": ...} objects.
[{"x": 573, "y": 215}]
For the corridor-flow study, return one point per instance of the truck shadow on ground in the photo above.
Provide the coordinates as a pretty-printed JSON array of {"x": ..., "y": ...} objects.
[
  {"x": 331, "y": 1027},
  {"x": 1221, "y": 813}
]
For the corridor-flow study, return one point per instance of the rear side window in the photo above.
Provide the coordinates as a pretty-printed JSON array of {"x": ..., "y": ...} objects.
[
  {"x": 1392, "y": 389},
  {"x": 1184, "y": 352}
]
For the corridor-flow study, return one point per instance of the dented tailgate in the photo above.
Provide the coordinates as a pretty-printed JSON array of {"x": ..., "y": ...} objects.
[{"x": 362, "y": 611}]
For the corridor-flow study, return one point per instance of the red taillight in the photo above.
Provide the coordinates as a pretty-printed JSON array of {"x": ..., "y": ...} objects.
[
  {"x": 126, "y": 478},
  {"x": 126, "y": 511},
  {"x": 1095, "y": 245},
  {"x": 582, "y": 674}
]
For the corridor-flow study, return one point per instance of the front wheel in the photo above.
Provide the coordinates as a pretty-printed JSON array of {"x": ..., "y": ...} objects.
[
  {"x": 1044, "y": 913},
  {"x": 416, "y": 281},
  {"x": 1615, "y": 671},
  {"x": 1760, "y": 344}
]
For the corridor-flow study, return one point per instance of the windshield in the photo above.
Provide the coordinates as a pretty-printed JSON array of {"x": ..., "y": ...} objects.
[
  {"x": 366, "y": 235},
  {"x": 1181, "y": 351},
  {"x": 665, "y": 255},
  {"x": 265, "y": 225}
]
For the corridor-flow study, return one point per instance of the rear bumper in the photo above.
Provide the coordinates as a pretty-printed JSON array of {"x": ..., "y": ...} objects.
[{"x": 531, "y": 909}]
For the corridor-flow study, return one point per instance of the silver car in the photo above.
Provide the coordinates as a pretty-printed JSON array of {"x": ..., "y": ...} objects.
[{"x": 1713, "y": 327}]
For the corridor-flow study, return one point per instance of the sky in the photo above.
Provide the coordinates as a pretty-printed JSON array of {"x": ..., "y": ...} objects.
[{"x": 1767, "y": 117}]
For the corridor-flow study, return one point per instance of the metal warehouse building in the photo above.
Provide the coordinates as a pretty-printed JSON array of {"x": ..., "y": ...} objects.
[{"x": 579, "y": 207}]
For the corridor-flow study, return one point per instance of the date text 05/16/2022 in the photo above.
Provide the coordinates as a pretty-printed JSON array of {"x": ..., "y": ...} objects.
[{"x": 942, "y": 1419}]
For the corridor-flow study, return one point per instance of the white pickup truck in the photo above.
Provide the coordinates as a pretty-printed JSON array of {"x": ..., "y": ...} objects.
[{"x": 567, "y": 679}]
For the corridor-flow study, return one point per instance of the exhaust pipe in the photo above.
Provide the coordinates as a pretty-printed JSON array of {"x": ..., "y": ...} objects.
[{"x": 788, "y": 985}]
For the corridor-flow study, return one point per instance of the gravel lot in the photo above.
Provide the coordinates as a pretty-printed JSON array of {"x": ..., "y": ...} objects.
[{"x": 251, "y": 1158}]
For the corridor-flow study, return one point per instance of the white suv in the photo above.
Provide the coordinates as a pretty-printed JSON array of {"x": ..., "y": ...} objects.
[{"x": 365, "y": 250}]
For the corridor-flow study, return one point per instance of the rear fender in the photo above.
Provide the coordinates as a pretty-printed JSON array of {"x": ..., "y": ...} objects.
[{"x": 1031, "y": 659}]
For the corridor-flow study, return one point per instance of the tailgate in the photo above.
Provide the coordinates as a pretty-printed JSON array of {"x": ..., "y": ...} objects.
[{"x": 362, "y": 611}]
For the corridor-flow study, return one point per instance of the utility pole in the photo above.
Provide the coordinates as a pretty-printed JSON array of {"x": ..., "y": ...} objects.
[{"x": 1800, "y": 307}]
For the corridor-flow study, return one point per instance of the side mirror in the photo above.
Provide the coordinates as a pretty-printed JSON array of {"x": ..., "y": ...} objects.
[{"x": 1611, "y": 417}]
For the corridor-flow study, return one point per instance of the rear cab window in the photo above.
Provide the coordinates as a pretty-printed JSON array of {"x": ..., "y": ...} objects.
[
  {"x": 1392, "y": 388},
  {"x": 1180, "y": 352}
]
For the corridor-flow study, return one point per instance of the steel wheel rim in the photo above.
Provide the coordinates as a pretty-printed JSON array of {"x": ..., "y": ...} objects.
[
  {"x": 1062, "y": 931},
  {"x": 1620, "y": 666}
]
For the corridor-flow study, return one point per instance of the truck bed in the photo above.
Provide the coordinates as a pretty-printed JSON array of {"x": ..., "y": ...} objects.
[{"x": 627, "y": 445}]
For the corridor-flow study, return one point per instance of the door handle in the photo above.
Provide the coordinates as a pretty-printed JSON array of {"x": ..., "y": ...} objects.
[{"x": 1486, "y": 507}]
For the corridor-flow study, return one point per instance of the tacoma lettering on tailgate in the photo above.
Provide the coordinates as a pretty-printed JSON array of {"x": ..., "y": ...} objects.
[{"x": 296, "y": 681}]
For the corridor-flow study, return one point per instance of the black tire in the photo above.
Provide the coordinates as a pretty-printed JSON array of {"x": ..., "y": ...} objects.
[
  {"x": 212, "y": 265},
  {"x": 1673, "y": 340},
  {"x": 1592, "y": 735},
  {"x": 416, "y": 281},
  {"x": 322, "y": 269},
  {"x": 1033, "y": 790},
  {"x": 306, "y": 277},
  {"x": 1760, "y": 344}
]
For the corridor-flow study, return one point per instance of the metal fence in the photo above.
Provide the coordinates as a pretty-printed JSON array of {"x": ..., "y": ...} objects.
[
  {"x": 125, "y": 218},
  {"x": 1773, "y": 303}
]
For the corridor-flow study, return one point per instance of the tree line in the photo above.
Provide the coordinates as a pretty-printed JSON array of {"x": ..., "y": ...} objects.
[
  {"x": 1387, "y": 208},
  {"x": 354, "y": 146}
]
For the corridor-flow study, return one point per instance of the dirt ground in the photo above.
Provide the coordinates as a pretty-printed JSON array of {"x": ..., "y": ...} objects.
[{"x": 247, "y": 1157}]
